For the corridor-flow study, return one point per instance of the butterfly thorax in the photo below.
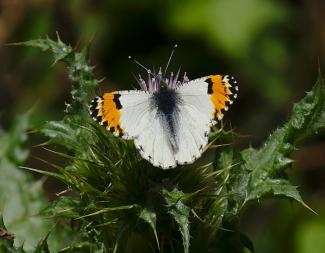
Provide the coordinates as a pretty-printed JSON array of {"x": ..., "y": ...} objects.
[{"x": 167, "y": 102}]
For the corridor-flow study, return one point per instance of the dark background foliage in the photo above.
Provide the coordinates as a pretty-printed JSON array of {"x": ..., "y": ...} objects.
[{"x": 274, "y": 49}]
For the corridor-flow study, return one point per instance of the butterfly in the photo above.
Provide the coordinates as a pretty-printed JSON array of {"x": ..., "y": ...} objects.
[{"x": 168, "y": 120}]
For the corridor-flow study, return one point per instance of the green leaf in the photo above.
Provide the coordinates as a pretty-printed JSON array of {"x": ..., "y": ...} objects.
[
  {"x": 275, "y": 187},
  {"x": 308, "y": 115},
  {"x": 180, "y": 212},
  {"x": 63, "y": 133}
]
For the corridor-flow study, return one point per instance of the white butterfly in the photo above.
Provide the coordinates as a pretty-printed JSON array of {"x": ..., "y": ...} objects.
[{"x": 168, "y": 120}]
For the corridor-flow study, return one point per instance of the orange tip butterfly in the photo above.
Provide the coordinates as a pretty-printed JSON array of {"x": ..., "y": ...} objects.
[{"x": 169, "y": 120}]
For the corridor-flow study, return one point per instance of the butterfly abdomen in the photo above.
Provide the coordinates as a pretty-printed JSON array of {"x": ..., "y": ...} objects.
[{"x": 167, "y": 101}]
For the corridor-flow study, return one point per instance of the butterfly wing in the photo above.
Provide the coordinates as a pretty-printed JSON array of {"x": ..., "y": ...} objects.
[
  {"x": 211, "y": 94},
  {"x": 204, "y": 101},
  {"x": 131, "y": 115},
  {"x": 154, "y": 144},
  {"x": 122, "y": 112}
]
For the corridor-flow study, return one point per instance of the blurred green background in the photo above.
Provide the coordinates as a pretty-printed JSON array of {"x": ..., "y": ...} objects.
[{"x": 274, "y": 48}]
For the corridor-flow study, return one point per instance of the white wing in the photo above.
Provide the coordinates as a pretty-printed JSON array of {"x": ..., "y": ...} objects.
[
  {"x": 153, "y": 142},
  {"x": 121, "y": 112},
  {"x": 203, "y": 103},
  {"x": 135, "y": 112},
  {"x": 130, "y": 115}
]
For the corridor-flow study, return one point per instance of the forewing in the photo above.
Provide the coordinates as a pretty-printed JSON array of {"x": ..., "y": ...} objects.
[
  {"x": 122, "y": 112},
  {"x": 212, "y": 95},
  {"x": 130, "y": 115},
  {"x": 204, "y": 101}
]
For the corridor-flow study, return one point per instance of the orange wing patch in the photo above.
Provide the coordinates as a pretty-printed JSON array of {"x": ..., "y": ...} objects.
[
  {"x": 106, "y": 111},
  {"x": 222, "y": 90}
]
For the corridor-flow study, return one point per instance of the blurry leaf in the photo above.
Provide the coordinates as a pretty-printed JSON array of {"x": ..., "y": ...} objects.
[
  {"x": 180, "y": 212},
  {"x": 20, "y": 197}
]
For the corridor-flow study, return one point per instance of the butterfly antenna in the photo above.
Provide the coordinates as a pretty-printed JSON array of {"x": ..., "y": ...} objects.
[
  {"x": 139, "y": 64},
  {"x": 170, "y": 58},
  {"x": 146, "y": 69}
]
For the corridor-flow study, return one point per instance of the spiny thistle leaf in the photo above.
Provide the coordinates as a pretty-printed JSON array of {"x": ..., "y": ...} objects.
[
  {"x": 150, "y": 216},
  {"x": 308, "y": 115},
  {"x": 180, "y": 212},
  {"x": 60, "y": 50},
  {"x": 80, "y": 72},
  {"x": 63, "y": 133},
  {"x": 68, "y": 131},
  {"x": 268, "y": 163}
]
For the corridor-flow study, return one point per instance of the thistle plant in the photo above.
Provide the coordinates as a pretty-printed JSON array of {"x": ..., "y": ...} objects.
[{"x": 117, "y": 202}]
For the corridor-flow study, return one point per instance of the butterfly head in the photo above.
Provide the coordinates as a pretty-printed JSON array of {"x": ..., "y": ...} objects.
[{"x": 160, "y": 81}]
